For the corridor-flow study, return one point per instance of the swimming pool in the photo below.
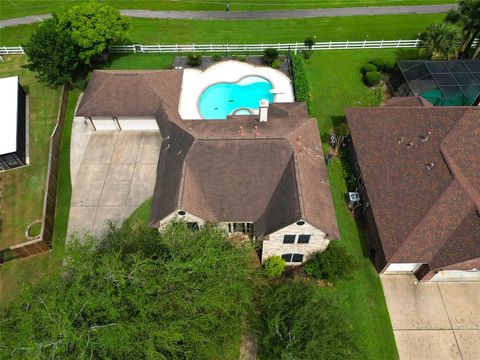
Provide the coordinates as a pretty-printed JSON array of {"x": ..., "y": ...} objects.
[{"x": 222, "y": 99}]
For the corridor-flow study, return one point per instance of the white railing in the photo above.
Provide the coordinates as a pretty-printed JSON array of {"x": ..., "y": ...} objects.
[{"x": 239, "y": 48}]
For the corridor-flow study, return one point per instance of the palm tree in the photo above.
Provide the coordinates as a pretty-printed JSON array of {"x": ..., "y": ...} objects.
[
  {"x": 439, "y": 41},
  {"x": 467, "y": 15}
]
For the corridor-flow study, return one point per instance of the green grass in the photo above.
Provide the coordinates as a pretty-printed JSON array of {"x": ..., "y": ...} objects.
[
  {"x": 336, "y": 84},
  {"x": 18, "y": 8},
  {"x": 20, "y": 271},
  {"x": 154, "y": 31},
  {"x": 23, "y": 188}
]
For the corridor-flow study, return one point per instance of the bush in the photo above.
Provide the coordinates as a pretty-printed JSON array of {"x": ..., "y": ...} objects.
[
  {"x": 270, "y": 55},
  {"x": 194, "y": 60},
  {"x": 300, "y": 81},
  {"x": 309, "y": 42},
  {"x": 302, "y": 321},
  {"x": 379, "y": 63},
  {"x": 242, "y": 58},
  {"x": 274, "y": 266},
  {"x": 331, "y": 264},
  {"x": 368, "y": 67},
  {"x": 276, "y": 64},
  {"x": 372, "y": 78},
  {"x": 216, "y": 57},
  {"x": 307, "y": 54},
  {"x": 389, "y": 66}
]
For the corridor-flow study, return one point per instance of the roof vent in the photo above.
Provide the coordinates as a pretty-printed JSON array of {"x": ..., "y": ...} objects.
[
  {"x": 255, "y": 130},
  {"x": 409, "y": 145},
  {"x": 241, "y": 130},
  {"x": 430, "y": 166},
  {"x": 401, "y": 139},
  {"x": 167, "y": 147},
  {"x": 425, "y": 137}
]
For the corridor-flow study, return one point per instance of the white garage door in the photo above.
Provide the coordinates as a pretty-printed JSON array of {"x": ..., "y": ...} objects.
[
  {"x": 104, "y": 123},
  {"x": 138, "y": 123},
  {"x": 402, "y": 268}
]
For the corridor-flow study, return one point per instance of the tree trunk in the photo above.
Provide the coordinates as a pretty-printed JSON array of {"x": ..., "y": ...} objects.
[
  {"x": 477, "y": 51},
  {"x": 470, "y": 42}
]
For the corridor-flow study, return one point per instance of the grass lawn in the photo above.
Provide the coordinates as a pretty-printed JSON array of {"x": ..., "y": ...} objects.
[
  {"x": 336, "y": 84},
  {"x": 154, "y": 31},
  {"x": 18, "y": 8},
  {"x": 23, "y": 189}
]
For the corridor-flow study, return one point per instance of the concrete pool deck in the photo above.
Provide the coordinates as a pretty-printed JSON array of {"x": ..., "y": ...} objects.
[{"x": 196, "y": 81}]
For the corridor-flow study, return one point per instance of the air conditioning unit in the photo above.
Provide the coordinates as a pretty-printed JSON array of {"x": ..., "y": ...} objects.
[{"x": 353, "y": 198}]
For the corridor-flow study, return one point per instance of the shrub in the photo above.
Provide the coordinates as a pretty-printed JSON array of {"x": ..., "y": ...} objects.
[
  {"x": 372, "y": 78},
  {"x": 274, "y": 266},
  {"x": 194, "y": 60},
  {"x": 389, "y": 66},
  {"x": 302, "y": 321},
  {"x": 276, "y": 64},
  {"x": 333, "y": 263},
  {"x": 309, "y": 42},
  {"x": 270, "y": 55},
  {"x": 242, "y": 58},
  {"x": 368, "y": 67},
  {"x": 216, "y": 57},
  {"x": 300, "y": 81},
  {"x": 307, "y": 54},
  {"x": 379, "y": 63}
]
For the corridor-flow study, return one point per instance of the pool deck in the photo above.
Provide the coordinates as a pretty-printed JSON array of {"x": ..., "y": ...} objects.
[{"x": 196, "y": 81}]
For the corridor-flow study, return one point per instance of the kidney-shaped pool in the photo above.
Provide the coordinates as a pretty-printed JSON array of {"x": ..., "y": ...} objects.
[{"x": 222, "y": 99}]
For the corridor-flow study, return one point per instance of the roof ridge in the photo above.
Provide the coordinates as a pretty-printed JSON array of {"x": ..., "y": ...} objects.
[{"x": 96, "y": 91}]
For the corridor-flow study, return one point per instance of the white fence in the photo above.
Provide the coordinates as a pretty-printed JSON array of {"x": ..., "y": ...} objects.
[{"x": 232, "y": 48}]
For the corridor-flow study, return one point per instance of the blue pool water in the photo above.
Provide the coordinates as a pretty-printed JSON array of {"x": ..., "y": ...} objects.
[{"x": 221, "y": 99}]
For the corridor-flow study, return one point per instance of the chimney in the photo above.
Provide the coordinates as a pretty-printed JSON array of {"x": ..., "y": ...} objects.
[{"x": 263, "y": 110}]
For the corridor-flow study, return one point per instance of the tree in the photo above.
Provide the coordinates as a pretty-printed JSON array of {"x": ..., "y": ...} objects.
[
  {"x": 438, "y": 41},
  {"x": 63, "y": 48},
  {"x": 52, "y": 53},
  {"x": 270, "y": 55},
  {"x": 302, "y": 321},
  {"x": 139, "y": 294},
  {"x": 332, "y": 264},
  {"x": 467, "y": 15}
]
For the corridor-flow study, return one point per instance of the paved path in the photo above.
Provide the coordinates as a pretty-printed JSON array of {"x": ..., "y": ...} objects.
[
  {"x": 237, "y": 15},
  {"x": 433, "y": 320}
]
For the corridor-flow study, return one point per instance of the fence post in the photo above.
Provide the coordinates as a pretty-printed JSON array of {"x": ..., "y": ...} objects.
[
  {"x": 346, "y": 45},
  {"x": 381, "y": 45},
  {"x": 398, "y": 43}
]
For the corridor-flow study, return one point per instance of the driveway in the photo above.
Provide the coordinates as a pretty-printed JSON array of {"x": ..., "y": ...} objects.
[
  {"x": 116, "y": 175},
  {"x": 434, "y": 320}
]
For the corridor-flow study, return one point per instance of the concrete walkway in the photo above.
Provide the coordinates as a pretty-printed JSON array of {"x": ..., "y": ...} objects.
[
  {"x": 239, "y": 15},
  {"x": 433, "y": 320}
]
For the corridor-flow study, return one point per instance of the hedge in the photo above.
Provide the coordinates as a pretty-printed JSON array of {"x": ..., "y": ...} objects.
[
  {"x": 372, "y": 78},
  {"x": 300, "y": 81}
]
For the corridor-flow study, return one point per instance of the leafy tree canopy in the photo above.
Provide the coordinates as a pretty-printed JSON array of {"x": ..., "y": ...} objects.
[
  {"x": 438, "y": 41},
  {"x": 137, "y": 295},
  {"x": 62, "y": 48},
  {"x": 302, "y": 321}
]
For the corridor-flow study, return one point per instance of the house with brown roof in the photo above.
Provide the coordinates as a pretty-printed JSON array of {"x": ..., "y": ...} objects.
[
  {"x": 418, "y": 170},
  {"x": 266, "y": 178}
]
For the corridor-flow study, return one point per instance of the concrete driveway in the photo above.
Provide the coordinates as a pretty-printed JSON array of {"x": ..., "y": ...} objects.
[
  {"x": 434, "y": 320},
  {"x": 116, "y": 174}
]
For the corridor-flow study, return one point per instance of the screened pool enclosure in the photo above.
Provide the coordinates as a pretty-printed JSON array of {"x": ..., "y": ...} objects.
[{"x": 443, "y": 83}]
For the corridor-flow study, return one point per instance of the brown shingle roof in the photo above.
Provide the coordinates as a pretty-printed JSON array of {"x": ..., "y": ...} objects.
[
  {"x": 421, "y": 211},
  {"x": 238, "y": 169},
  {"x": 130, "y": 93}
]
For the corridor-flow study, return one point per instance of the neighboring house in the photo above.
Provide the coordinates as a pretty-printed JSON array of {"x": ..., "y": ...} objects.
[
  {"x": 13, "y": 124},
  {"x": 265, "y": 179},
  {"x": 419, "y": 177}
]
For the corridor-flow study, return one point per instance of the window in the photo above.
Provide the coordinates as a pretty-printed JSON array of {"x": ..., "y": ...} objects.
[
  {"x": 181, "y": 213},
  {"x": 192, "y": 226},
  {"x": 295, "y": 258},
  {"x": 289, "y": 239},
  {"x": 300, "y": 223},
  {"x": 303, "y": 239},
  {"x": 243, "y": 227}
]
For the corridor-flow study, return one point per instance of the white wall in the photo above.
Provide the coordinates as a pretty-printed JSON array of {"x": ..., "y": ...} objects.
[
  {"x": 273, "y": 243},
  {"x": 137, "y": 123},
  {"x": 402, "y": 268},
  {"x": 102, "y": 123}
]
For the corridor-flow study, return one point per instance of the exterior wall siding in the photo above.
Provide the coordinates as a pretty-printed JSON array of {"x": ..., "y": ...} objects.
[{"x": 273, "y": 244}]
